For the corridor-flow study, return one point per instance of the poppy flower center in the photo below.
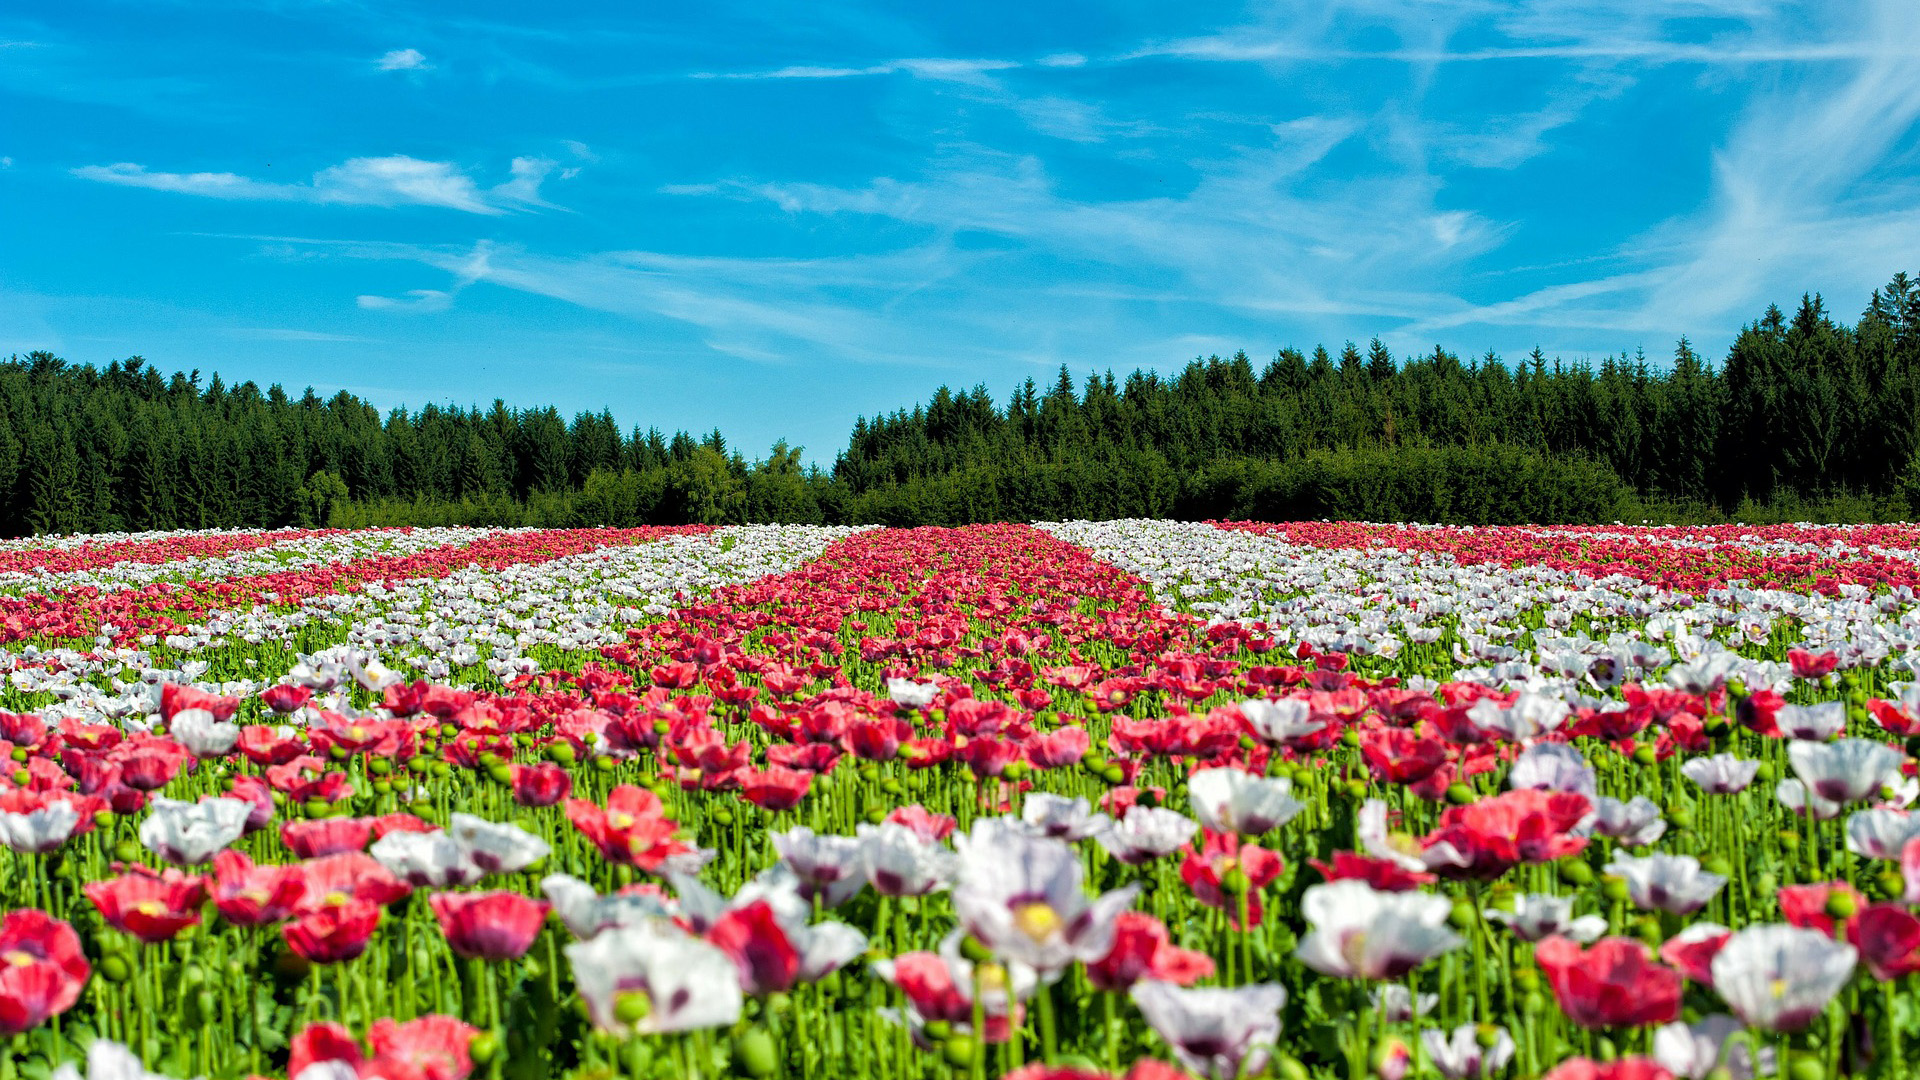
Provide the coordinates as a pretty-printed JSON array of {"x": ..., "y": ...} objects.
[
  {"x": 619, "y": 820},
  {"x": 19, "y": 958},
  {"x": 1037, "y": 920},
  {"x": 150, "y": 907},
  {"x": 632, "y": 1006}
]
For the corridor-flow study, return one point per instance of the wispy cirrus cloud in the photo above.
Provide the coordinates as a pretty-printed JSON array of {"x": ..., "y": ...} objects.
[
  {"x": 397, "y": 180},
  {"x": 935, "y": 69},
  {"x": 1801, "y": 200}
]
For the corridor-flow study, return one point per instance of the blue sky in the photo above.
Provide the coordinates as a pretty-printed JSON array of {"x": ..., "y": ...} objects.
[{"x": 773, "y": 217}]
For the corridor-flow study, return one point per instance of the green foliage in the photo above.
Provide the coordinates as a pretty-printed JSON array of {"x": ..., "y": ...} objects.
[
  {"x": 1807, "y": 418},
  {"x": 317, "y": 498}
]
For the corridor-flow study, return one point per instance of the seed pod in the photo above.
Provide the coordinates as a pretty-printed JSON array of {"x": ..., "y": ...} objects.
[{"x": 753, "y": 1053}]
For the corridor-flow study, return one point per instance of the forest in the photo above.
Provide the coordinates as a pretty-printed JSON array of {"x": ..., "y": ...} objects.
[{"x": 1807, "y": 416}]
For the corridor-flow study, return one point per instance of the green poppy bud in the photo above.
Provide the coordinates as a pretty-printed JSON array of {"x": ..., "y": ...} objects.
[
  {"x": 1462, "y": 916},
  {"x": 1890, "y": 882},
  {"x": 753, "y": 1053},
  {"x": 1576, "y": 873},
  {"x": 379, "y": 766},
  {"x": 127, "y": 851},
  {"x": 1113, "y": 774},
  {"x": 603, "y": 764},
  {"x": 1614, "y": 888},
  {"x": 1461, "y": 795},
  {"x": 1645, "y": 754},
  {"x": 115, "y": 969},
  {"x": 1807, "y": 1067},
  {"x": 1841, "y": 905},
  {"x": 561, "y": 753},
  {"x": 722, "y": 816},
  {"x": 632, "y": 1006},
  {"x": 958, "y": 1051},
  {"x": 973, "y": 950}
]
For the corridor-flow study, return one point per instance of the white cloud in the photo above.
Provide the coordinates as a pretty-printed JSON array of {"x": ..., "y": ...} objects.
[
  {"x": 416, "y": 300},
  {"x": 932, "y": 68},
  {"x": 1799, "y": 203},
  {"x": 403, "y": 60},
  {"x": 397, "y": 180},
  {"x": 271, "y": 333}
]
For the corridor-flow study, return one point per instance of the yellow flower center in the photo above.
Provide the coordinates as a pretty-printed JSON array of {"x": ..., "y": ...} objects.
[
  {"x": 150, "y": 907},
  {"x": 1038, "y": 920},
  {"x": 19, "y": 958}
]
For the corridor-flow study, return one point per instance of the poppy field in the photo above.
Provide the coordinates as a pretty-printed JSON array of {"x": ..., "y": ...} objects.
[{"x": 1057, "y": 801}]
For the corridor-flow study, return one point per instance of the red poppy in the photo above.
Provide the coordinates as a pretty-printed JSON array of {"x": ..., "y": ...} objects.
[
  {"x": 1495, "y": 834},
  {"x": 877, "y": 740},
  {"x": 1888, "y": 937},
  {"x": 152, "y": 907},
  {"x": 489, "y": 925},
  {"x": 325, "y": 836},
  {"x": 542, "y": 784},
  {"x": 175, "y": 697},
  {"x": 1692, "y": 951},
  {"x": 928, "y": 826},
  {"x": 350, "y": 875},
  {"x": 760, "y": 948},
  {"x": 1611, "y": 984},
  {"x": 776, "y": 787},
  {"x": 928, "y": 983},
  {"x": 320, "y": 1043},
  {"x": 42, "y": 969},
  {"x": 333, "y": 933},
  {"x": 1223, "y": 860},
  {"x": 268, "y": 746},
  {"x": 1057, "y": 749},
  {"x": 1142, "y": 949},
  {"x": 436, "y": 1047},
  {"x": 399, "y": 822},
  {"x": 150, "y": 768},
  {"x": 1807, "y": 665},
  {"x": 633, "y": 829},
  {"x": 284, "y": 698},
  {"x": 250, "y": 895},
  {"x": 1805, "y": 906},
  {"x": 1398, "y": 756}
]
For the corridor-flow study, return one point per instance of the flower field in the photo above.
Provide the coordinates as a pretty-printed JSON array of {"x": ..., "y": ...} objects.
[{"x": 1078, "y": 799}]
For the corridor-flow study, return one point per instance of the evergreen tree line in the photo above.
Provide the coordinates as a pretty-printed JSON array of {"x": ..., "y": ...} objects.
[{"x": 1805, "y": 416}]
